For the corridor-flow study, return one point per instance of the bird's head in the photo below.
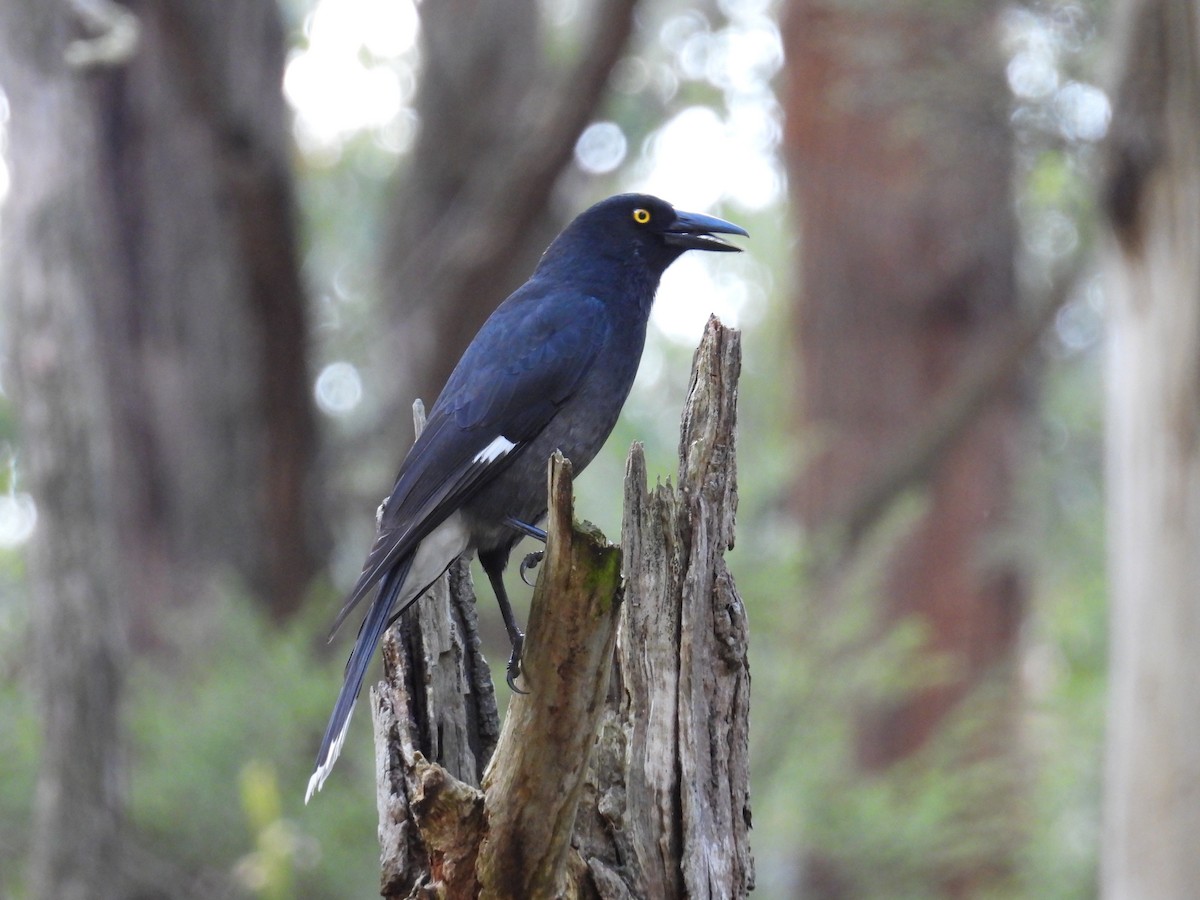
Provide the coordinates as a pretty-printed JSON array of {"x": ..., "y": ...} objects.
[{"x": 631, "y": 227}]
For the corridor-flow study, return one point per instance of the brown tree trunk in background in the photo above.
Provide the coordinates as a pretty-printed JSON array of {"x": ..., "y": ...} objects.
[
  {"x": 206, "y": 340},
  {"x": 1152, "y": 195},
  {"x": 899, "y": 155},
  {"x": 200, "y": 323},
  {"x": 471, "y": 212}
]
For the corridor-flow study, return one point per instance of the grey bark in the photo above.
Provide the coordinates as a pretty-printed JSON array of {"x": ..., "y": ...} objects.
[
  {"x": 57, "y": 242},
  {"x": 436, "y": 699},
  {"x": 625, "y": 780},
  {"x": 670, "y": 813},
  {"x": 1152, "y": 193}
]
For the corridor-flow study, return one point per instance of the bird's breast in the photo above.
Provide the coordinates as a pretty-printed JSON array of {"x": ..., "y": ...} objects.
[{"x": 579, "y": 428}]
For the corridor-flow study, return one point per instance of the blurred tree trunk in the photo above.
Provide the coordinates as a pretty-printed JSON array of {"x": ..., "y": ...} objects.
[
  {"x": 199, "y": 323},
  {"x": 1152, "y": 197},
  {"x": 57, "y": 246},
  {"x": 157, "y": 355},
  {"x": 472, "y": 210},
  {"x": 899, "y": 155}
]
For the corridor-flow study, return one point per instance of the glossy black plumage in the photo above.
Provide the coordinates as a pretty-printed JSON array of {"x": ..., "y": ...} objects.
[{"x": 549, "y": 370}]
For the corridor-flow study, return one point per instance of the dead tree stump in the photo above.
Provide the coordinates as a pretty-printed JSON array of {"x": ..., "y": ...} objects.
[{"x": 619, "y": 775}]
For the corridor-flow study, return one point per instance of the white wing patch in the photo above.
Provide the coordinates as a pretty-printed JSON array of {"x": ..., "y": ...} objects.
[{"x": 498, "y": 448}]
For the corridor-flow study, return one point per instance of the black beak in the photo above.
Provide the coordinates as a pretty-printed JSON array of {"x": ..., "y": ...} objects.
[{"x": 693, "y": 231}]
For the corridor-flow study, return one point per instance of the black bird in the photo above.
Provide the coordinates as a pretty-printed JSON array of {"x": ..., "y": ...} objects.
[{"x": 549, "y": 370}]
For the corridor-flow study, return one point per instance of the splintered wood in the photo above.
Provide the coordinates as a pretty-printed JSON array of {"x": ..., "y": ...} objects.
[{"x": 625, "y": 771}]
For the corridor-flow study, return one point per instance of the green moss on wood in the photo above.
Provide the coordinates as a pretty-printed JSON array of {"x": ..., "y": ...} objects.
[{"x": 603, "y": 563}]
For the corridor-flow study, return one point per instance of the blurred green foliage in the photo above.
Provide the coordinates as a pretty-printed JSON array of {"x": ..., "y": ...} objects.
[
  {"x": 899, "y": 832},
  {"x": 223, "y": 728},
  {"x": 223, "y": 739},
  {"x": 18, "y": 730}
]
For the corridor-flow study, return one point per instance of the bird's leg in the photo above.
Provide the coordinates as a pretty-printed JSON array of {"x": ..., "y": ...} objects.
[
  {"x": 531, "y": 560},
  {"x": 493, "y": 564}
]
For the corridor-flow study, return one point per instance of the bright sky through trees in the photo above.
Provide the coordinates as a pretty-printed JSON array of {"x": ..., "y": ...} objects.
[{"x": 356, "y": 72}]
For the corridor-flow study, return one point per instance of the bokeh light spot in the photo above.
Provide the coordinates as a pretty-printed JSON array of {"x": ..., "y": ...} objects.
[
  {"x": 601, "y": 148},
  {"x": 339, "y": 389},
  {"x": 18, "y": 517}
]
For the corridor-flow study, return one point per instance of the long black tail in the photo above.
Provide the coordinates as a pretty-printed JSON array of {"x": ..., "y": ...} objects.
[{"x": 369, "y": 634}]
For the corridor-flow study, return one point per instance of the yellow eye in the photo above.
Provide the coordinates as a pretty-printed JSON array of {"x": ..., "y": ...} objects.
[{"x": 641, "y": 216}]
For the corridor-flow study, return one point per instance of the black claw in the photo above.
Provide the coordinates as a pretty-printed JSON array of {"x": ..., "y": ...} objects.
[
  {"x": 531, "y": 561},
  {"x": 514, "y": 666}
]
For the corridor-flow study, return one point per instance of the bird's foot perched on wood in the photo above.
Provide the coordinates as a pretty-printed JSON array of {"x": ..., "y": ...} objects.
[
  {"x": 514, "y": 664},
  {"x": 531, "y": 561}
]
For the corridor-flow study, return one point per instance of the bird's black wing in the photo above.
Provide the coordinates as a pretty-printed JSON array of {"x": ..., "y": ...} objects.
[{"x": 526, "y": 361}]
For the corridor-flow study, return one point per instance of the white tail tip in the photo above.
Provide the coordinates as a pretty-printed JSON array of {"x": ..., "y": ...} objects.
[{"x": 317, "y": 781}]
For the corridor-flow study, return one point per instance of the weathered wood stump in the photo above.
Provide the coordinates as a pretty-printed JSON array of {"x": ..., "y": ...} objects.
[{"x": 621, "y": 774}]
